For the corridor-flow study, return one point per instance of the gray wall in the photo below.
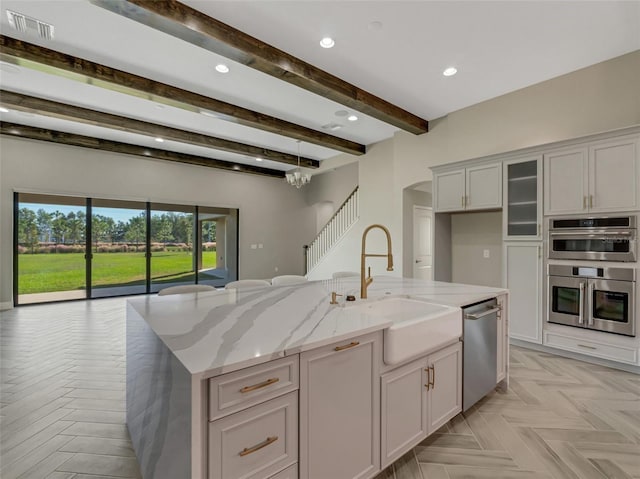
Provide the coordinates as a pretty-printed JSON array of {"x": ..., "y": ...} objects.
[
  {"x": 272, "y": 213},
  {"x": 471, "y": 235}
]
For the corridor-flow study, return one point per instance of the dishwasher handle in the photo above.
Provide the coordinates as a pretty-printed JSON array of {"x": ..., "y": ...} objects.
[{"x": 482, "y": 314}]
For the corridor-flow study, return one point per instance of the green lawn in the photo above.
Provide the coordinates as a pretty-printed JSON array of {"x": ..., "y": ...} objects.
[{"x": 39, "y": 273}]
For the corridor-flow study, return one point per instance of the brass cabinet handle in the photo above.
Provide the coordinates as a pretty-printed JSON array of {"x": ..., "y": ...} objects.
[
  {"x": 428, "y": 385},
  {"x": 264, "y": 384},
  {"x": 265, "y": 443},
  {"x": 346, "y": 346},
  {"x": 585, "y": 346},
  {"x": 590, "y": 201},
  {"x": 433, "y": 376}
]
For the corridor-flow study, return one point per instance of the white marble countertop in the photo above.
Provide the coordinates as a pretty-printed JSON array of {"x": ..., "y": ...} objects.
[{"x": 222, "y": 331}]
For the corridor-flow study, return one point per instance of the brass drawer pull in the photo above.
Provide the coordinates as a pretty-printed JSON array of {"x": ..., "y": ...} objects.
[
  {"x": 346, "y": 346},
  {"x": 264, "y": 384},
  {"x": 585, "y": 346},
  {"x": 433, "y": 376},
  {"x": 265, "y": 443},
  {"x": 428, "y": 385}
]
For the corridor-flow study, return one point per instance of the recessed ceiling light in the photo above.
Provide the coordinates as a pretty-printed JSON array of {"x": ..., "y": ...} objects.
[
  {"x": 258, "y": 159},
  {"x": 3, "y": 109},
  {"x": 327, "y": 42},
  {"x": 352, "y": 118},
  {"x": 222, "y": 68},
  {"x": 159, "y": 140},
  {"x": 450, "y": 71}
]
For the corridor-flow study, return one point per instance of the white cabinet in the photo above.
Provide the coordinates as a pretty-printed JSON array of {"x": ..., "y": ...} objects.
[
  {"x": 472, "y": 188},
  {"x": 404, "y": 409},
  {"x": 253, "y": 420},
  {"x": 257, "y": 442},
  {"x": 523, "y": 278},
  {"x": 522, "y": 189},
  {"x": 599, "y": 177},
  {"x": 340, "y": 409},
  {"x": 502, "y": 356},
  {"x": 445, "y": 386},
  {"x": 418, "y": 398}
]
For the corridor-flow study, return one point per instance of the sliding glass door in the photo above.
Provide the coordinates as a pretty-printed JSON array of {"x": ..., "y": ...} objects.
[
  {"x": 77, "y": 248},
  {"x": 50, "y": 248},
  {"x": 118, "y": 248},
  {"x": 172, "y": 242}
]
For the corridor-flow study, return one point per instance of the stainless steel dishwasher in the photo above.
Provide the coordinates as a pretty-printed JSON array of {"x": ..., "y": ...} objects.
[{"x": 479, "y": 335}]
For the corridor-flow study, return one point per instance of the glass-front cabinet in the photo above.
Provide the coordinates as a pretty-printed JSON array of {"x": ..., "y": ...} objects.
[{"x": 522, "y": 189}]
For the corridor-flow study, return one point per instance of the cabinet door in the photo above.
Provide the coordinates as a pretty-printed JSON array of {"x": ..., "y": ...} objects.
[
  {"x": 523, "y": 279},
  {"x": 522, "y": 199},
  {"x": 404, "y": 409},
  {"x": 445, "y": 393},
  {"x": 340, "y": 409},
  {"x": 484, "y": 187},
  {"x": 566, "y": 181},
  {"x": 614, "y": 176},
  {"x": 502, "y": 366},
  {"x": 449, "y": 188}
]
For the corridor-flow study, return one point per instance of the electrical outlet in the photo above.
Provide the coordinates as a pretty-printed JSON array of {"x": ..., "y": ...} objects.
[{"x": 486, "y": 253}]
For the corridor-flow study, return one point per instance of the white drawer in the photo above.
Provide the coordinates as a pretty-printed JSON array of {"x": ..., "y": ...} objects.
[
  {"x": 590, "y": 348},
  {"x": 257, "y": 442},
  {"x": 239, "y": 390},
  {"x": 289, "y": 473}
]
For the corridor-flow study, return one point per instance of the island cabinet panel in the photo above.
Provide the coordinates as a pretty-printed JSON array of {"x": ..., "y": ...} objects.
[
  {"x": 445, "y": 386},
  {"x": 255, "y": 443},
  {"x": 340, "y": 409},
  {"x": 238, "y": 390},
  {"x": 404, "y": 409}
]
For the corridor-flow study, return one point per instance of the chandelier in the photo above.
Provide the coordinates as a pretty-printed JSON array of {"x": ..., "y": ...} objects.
[{"x": 297, "y": 178}]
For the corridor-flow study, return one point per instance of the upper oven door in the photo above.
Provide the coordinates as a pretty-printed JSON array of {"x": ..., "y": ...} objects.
[
  {"x": 610, "y": 245},
  {"x": 567, "y": 300},
  {"x": 611, "y": 306}
]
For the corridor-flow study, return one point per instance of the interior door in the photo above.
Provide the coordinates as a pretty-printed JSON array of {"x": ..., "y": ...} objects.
[{"x": 422, "y": 248}]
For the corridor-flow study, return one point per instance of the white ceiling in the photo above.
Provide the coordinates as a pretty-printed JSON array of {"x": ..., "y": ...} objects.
[{"x": 497, "y": 47}]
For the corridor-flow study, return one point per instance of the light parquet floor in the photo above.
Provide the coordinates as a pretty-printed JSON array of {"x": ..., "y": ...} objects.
[{"x": 62, "y": 391}]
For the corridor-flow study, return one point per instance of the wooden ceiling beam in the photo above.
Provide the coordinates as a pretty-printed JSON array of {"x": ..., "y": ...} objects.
[
  {"x": 30, "y": 104},
  {"x": 193, "y": 26},
  {"x": 56, "y": 63},
  {"x": 54, "y": 136}
]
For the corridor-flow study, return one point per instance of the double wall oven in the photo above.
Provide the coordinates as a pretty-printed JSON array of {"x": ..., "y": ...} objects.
[{"x": 590, "y": 293}]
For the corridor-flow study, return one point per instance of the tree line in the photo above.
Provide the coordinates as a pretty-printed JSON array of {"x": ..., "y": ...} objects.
[{"x": 37, "y": 227}]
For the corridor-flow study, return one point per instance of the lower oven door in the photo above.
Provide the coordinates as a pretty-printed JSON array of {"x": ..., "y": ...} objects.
[
  {"x": 566, "y": 300},
  {"x": 612, "y": 306}
]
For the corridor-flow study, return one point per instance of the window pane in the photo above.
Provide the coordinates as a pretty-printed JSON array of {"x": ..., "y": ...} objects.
[
  {"x": 118, "y": 245},
  {"x": 51, "y": 248},
  {"x": 172, "y": 234}
]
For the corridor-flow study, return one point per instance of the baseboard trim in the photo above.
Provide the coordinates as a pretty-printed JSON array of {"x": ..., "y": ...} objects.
[
  {"x": 572, "y": 355},
  {"x": 4, "y": 305}
]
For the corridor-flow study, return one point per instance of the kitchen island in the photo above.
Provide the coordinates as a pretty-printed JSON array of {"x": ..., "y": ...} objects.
[{"x": 205, "y": 369}]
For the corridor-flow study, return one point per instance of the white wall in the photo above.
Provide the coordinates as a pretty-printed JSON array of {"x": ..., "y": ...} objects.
[
  {"x": 271, "y": 212},
  {"x": 328, "y": 190},
  {"x": 599, "y": 98}
]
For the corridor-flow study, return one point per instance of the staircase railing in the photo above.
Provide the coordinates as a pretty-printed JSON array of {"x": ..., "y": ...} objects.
[{"x": 336, "y": 227}]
